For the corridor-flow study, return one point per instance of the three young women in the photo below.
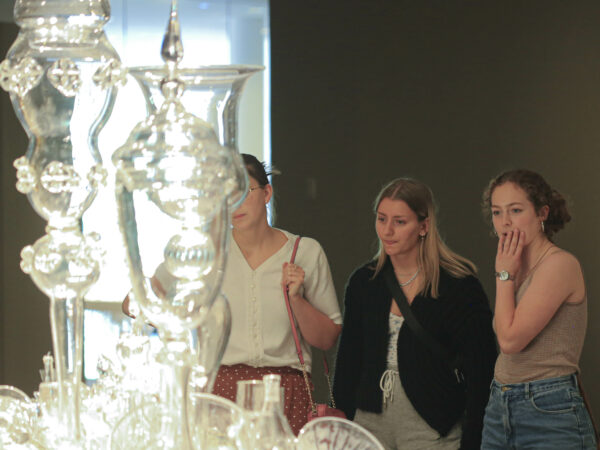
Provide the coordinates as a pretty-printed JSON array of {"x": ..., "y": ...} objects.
[
  {"x": 540, "y": 321},
  {"x": 388, "y": 378}
]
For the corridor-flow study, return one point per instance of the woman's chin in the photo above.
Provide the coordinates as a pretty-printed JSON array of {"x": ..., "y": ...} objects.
[{"x": 391, "y": 251}]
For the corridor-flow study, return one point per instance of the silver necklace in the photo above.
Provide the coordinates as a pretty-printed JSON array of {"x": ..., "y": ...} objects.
[
  {"x": 406, "y": 283},
  {"x": 538, "y": 260}
]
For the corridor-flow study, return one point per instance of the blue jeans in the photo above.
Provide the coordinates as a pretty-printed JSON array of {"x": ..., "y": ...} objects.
[{"x": 544, "y": 414}]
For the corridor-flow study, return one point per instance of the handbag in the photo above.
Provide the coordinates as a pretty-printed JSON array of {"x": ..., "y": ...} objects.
[
  {"x": 453, "y": 361},
  {"x": 316, "y": 409}
]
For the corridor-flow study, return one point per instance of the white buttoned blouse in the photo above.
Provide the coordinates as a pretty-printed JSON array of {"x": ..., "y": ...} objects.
[{"x": 261, "y": 334}]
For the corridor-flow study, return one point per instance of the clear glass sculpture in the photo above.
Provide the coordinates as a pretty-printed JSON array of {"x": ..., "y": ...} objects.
[
  {"x": 174, "y": 160},
  {"x": 61, "y": 72},
  {"x": 250, "y": 396},
  {"x": 217, "y": 423},
  {"x": 142, "y": 429},
  {"x": 332, "y": 433},
  {"x": 18, "y": 419},
  {"x": 211, "y": 340},
  {"x": 271, "y": 429},
  {"x": 213, "y": 94}
]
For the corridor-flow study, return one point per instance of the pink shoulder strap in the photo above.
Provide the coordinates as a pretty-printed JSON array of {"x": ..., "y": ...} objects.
[
  {"x": 289, "y": 308},
  {"x": 297, "y": 341}
]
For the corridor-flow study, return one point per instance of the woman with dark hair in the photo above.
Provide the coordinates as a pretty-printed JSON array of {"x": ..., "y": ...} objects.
[
  {"x": 261, "y": 339},
  {"x": 257, "y": 270},
  {"x": 389, "y": 377},
  {"x": 540, "y": 321}
]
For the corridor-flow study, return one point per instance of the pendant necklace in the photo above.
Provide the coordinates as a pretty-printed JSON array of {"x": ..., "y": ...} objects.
[
  {"x": 406, "y": 283},
  {"x": 538, "y": 260}
]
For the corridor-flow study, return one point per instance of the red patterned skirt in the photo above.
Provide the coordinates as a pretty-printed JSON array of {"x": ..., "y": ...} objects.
[{"x": 296, "y": 400}]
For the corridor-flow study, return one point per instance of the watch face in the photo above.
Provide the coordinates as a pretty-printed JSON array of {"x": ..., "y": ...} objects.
[{"x": 503, "y": 275}]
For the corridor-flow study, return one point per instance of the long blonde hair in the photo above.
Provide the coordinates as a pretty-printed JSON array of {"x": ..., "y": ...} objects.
[{"x": 433, "y": 252}]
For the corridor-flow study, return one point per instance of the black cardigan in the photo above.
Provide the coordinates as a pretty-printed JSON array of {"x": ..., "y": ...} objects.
[{"x": 460, "y": 318}]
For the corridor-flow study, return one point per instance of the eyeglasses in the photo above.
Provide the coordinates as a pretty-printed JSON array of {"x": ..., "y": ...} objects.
[{"x": 250, "y": 189}]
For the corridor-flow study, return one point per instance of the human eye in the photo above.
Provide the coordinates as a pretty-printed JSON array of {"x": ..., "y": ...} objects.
[
  {"x": 380, "y": 218},
  {"x": 516, "y": 210},
  {"x": 495, "y": 212},
  {"x": 400, "y": 221}
]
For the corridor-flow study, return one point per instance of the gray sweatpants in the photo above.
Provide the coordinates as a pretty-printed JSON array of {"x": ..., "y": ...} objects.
[{"x": 400, "y": 427}]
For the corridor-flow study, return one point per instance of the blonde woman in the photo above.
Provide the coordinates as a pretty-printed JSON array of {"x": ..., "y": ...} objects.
[{"x": 388, "y": 378}]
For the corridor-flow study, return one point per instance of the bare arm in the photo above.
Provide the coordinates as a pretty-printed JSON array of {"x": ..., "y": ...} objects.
[
  {"x": 317, "y": 328},
  {"x": 557, "y": 279},
  {"x": 125, "y": 307}
]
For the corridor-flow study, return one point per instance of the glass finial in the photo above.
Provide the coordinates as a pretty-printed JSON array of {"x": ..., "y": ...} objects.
[{"x": 172, "y": 47}]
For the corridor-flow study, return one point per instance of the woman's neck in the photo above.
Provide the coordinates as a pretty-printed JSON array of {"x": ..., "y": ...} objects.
[
  {"x": 406, "y": 264},
  {"x": 534, "y": 251},
  {"x": 253, "y": 238}
]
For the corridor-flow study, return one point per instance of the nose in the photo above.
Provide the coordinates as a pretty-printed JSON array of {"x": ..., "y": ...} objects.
[{"x": 388, "y": 229}]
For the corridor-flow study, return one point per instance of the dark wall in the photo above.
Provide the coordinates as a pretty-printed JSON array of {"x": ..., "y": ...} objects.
[
  {"x": 450, "y": 93},
  {"x": 24, "y": 322}
]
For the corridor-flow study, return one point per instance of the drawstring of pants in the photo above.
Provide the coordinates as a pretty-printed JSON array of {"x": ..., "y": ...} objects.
[{"x": 387, "y": 383}]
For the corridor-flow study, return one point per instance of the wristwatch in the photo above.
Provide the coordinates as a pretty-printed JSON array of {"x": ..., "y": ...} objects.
[{"x": 503, "y": 275}]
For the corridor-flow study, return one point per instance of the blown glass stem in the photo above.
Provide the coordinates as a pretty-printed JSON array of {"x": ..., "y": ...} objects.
[
  {"x": 178, "y": 359},
  {"x": 66, "y": 322}
]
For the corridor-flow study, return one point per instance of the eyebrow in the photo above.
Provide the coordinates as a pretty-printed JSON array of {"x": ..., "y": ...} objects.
[
  {"x": 393, "y": 217},
  {"x": 510, "y": 204}
]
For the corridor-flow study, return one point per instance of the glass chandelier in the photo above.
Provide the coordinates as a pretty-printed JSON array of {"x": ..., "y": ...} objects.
[{"x": 62, "y": 75}]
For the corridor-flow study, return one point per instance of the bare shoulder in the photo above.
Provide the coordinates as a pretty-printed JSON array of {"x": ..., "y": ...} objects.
[
  {"x": 559, "y": 259},
  {"x": 562, "y": 267}
]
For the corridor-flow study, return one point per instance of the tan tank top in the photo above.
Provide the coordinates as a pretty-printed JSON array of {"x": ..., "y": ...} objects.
[{"x": 554, "y": 352}]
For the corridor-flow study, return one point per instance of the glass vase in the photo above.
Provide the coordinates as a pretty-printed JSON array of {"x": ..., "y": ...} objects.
[
  {"x": 271, "y": 429},
  {"x": 61, "y": 74},
  {"x": 213, "y": 94},
  {"x": 174, "y": 164}
]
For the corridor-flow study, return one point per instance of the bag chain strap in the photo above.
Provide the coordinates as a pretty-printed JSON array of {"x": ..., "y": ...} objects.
[
  {"x": 330, "y": 392},
  {"x": 313, "y": 406}
]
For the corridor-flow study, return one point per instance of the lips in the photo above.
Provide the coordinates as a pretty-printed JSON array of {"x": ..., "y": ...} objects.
[{"x": 238, "y": 216}]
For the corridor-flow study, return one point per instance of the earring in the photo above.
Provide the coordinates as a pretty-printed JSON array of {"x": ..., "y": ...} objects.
[
  {"x": 495, "y": 232},
  {"x": 422, "y": 236},
  {"x": 543, "y": 229}
]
